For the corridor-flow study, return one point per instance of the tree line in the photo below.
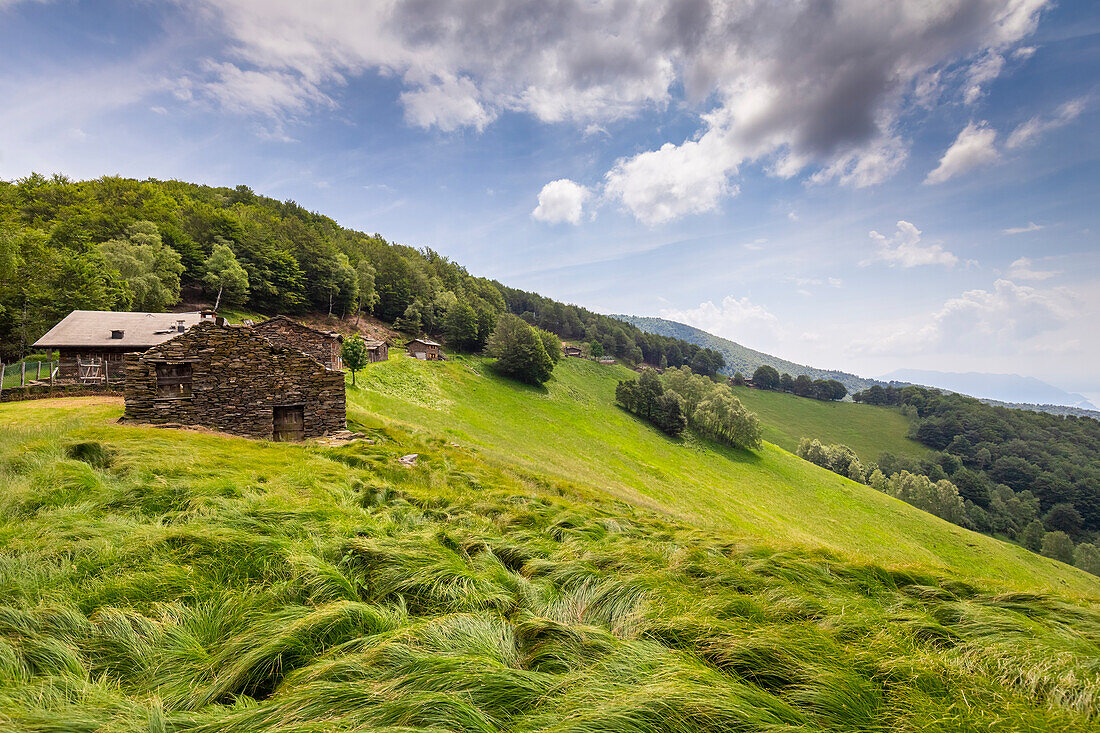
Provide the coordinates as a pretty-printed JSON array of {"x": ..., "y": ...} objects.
[
  {"x": 680, "y": 398},
  {"x": 924, "y": 484},
  {"x": 769, "y": 378},
  {"x": 120, "y": 244},
  {"x": 981, "y": 447}
]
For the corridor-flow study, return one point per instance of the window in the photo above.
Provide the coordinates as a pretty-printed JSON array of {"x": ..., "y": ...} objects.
[{"x": 173, "y": 380}]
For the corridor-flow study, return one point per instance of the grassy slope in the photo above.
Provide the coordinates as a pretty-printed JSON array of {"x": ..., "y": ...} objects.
[
  {"x": 866, "y": 429},
  {"x": 572, "y": 431},
  {"x": 199, "y": 583}
]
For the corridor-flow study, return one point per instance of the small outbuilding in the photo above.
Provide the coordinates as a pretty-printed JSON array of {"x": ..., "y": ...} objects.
[
  {"x": 377, "y": 350},
  {"x": 324, "y": 346},
  {"x": 92, "y": 345},
  {"x": 233, "y": 378},
  {"x": 424, "y": 349},
  {"x": 572, "y": 351}
]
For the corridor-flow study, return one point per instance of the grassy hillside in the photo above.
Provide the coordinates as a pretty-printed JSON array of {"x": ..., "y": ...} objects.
[
  {"x": 741, "y": 358},
  {"x": 571, "y": 431},
  {"x": 866, "y": 429},
  {"x": 164, "y": 580}
]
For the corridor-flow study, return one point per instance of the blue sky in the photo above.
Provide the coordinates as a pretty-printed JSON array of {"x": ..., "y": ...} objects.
[{"x": 852, "y": 184}]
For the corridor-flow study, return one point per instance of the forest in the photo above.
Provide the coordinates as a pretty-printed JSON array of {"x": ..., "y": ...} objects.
[{"x": 120, "y": 244}]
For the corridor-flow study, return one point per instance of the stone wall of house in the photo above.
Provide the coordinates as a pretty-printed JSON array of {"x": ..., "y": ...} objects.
[
  {"x": 321, "y": 346},
  {"x": 238, "y": 377}
]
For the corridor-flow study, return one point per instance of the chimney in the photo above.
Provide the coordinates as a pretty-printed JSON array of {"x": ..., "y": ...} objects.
[
  {"x": 117, "y": 333},
  {"x": 181, "y": 326}
]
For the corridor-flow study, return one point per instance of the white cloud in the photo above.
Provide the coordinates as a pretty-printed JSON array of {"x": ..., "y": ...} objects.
[
  {"x": 756, "y": 244},
  {"x": 1031, "y": 227},
  {"x": 904, "y": 248},
  {"x": 561, "y": 200},
  {"x": 1004, "y": 320},
  {"x": 974, "y": 147},
  {"x": 267, "y": 92},
  {"x": 797, "y": 86},
  {"x": 1036, "y": 126},
  {"x": 447, "y": 104},
  {"x": 985, "y": 69},
  {"x": 1022, "y": 269},
  {"x": 1023, "y": 53},
  {"x": 676, "y": 180},
  {"x": 734, "y": 318}
]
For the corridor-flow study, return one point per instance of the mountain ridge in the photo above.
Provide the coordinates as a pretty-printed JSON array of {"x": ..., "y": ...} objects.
[
  {"x": 741, "y": 358},
  {"x": 1006, "y": 388}
]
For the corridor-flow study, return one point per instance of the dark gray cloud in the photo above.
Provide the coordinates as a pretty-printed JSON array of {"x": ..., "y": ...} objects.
[{"x": 816, "y": 82}]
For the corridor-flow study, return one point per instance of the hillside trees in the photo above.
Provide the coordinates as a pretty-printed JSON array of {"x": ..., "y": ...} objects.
[
  {"x": 712, "y": 409},
  {"x": 647, "y": 398},
  {"x": 766, "y": 377},
  {"x": 461, "y": 327},
  {"x": 519, "y": 351},
  {"x": 224, "y": 276},
  {"x": 150, "y": 269}
]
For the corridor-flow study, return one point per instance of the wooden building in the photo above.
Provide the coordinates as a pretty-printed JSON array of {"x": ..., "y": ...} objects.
[
  {"x": 377, "y": 350},
  {"x": 572, "y": 351},
  {"x": 424, "y": 349},
  {"x": 91, "y": 345},
  {"x": 233, "y": 378},
  {"x": 324, "y": 346}
]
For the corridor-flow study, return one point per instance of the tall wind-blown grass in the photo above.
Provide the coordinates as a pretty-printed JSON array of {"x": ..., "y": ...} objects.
[{"x": 156, "y": 581}]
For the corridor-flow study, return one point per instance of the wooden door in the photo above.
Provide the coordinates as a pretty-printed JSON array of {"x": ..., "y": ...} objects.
[{"x": 290, "y": 424}]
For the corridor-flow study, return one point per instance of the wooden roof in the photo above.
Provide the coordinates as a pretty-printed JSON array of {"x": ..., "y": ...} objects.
[{"x": 92, "y": 329}]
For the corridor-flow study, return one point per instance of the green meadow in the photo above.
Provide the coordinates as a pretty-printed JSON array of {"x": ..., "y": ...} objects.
[
  {"x": 571, "y": 431},
  {"x": 866, "y": 429},
  {"x": 549, "y": 564}
]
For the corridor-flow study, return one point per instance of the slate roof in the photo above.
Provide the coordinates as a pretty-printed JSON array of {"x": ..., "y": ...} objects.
[
  {"x": 291, "y": 321},
  {"x": 426, "y": 342},
  {"x": 92, "y": 329}
]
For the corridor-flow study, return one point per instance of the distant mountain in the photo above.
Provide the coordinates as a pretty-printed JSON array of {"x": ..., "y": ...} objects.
[
  {"x": 1010, "y": 388},
  {"x": 741, "y": 358}
]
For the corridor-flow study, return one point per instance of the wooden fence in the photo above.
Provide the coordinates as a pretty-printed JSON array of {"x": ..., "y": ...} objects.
[{"x": 24, "y": 375}]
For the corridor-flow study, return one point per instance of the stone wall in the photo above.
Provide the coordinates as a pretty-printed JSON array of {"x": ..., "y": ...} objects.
[
  {"x": 46, "y": 391},
  {"x": 238, "y": 377},
  {"x": 322, "y": 346}
]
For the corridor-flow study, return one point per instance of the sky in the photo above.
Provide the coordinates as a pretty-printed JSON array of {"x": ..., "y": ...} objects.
[{"x": 851, "y": 184}]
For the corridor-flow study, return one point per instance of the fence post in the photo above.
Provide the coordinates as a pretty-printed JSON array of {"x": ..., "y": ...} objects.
[
  {"x": 106, "y": 372},
  {"x": 3, "y": 368},
  {"x": 38, "y": 371},
  {"x": 51, "y": 375},
  {"x": 22, "y": 374}
]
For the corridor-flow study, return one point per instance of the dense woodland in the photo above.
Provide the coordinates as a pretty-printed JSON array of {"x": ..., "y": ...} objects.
[{"x": 115, "y": 243}]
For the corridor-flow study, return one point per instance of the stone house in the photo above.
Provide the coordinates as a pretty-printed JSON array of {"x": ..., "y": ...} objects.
[
  {"x": 92, "y": 345},
  {"x": 572, "y": 351},
  {"x": 424, "y": 349},
  {"x": 235, "y": 379},
  {"x": 324, "y": 346}
]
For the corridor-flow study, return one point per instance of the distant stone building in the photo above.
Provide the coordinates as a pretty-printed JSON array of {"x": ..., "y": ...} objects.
[
  {"x": 91, "y": 345},
  {"x": 233, "y": 378},
  {"x": 324, "y": 346},
  {"x": 572, "y": 351},
  {"x": 424, "y": 349}
]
